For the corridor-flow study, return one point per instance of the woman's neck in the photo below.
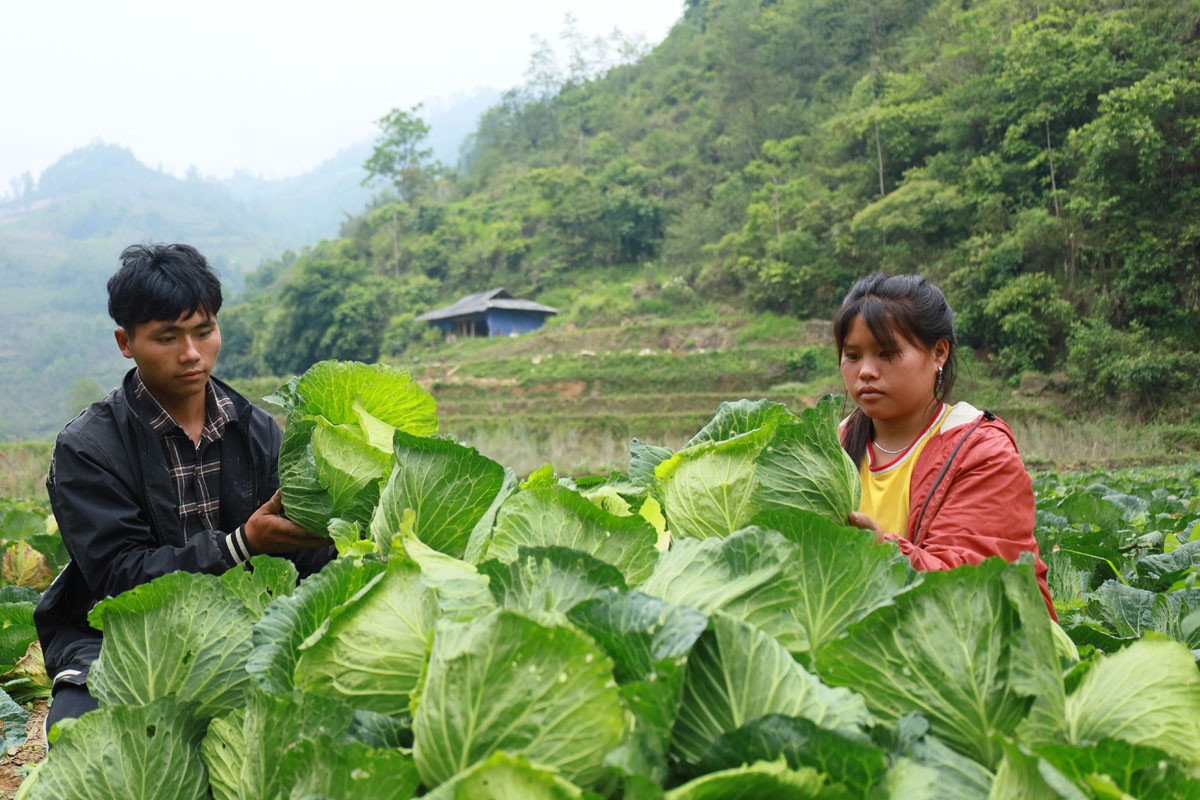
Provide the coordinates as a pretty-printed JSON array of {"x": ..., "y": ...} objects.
[{"x": 903, "y": 431}]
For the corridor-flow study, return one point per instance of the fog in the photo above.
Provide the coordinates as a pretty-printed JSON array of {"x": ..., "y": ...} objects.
[{"x": 261, "y": 85}]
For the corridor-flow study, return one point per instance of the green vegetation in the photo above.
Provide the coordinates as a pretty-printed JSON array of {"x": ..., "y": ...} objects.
[
  {"x": 1038, "y": 161},
  {"x": 23, "y": 468},
  {"x": 341, "y": 419},
  {"x": 685, "y": 208},
  {"x": 33, "y": 553},
  {"x": 697, "y": 625},
  {"x": 60, "y": 240}
]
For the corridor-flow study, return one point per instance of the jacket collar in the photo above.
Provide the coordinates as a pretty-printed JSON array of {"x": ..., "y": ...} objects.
[
  {"x": 241, "y": 406},
  {"x": 961, "y": 413}
]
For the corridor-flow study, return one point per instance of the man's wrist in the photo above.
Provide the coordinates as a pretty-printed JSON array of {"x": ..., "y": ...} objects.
[{"x": 238, "y": 545}]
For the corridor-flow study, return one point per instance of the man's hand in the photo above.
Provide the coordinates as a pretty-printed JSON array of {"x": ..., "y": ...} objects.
[
  {"x": 268, "y": 531},
  {"x": 861, "y": 520}
]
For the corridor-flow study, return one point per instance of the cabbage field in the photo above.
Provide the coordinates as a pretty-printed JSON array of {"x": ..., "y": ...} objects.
[{"x": 700, "y": 626}]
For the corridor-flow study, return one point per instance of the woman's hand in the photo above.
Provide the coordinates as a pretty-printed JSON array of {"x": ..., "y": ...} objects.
[{"x": 861, "y": 520}]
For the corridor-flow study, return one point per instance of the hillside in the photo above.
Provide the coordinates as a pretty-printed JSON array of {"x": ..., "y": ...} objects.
[{"x": 1038, "y": 160}]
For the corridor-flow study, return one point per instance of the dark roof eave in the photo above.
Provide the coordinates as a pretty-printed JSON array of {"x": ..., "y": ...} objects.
[
  {"x": 433, "y": 316},
  {"x": 458, "y": 309}
]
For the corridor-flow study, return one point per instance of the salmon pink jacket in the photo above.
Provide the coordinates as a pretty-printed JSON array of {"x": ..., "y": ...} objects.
[{"x": 970, "y": 498}]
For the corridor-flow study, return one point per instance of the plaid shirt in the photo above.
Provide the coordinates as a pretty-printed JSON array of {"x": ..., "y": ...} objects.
[{"x": 195, "y": 468}]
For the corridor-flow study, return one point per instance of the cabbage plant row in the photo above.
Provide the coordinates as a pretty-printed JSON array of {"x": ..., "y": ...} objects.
[{"x": 701, "y": 627}]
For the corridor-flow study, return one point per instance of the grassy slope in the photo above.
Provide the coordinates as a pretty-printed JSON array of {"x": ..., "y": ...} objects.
[
  {"x": 576, "y": 394},
  {"x": 23, "y": 469}
]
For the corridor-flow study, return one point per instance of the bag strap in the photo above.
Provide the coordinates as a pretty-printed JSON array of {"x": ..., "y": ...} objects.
[{"x": 986, "y": 415}]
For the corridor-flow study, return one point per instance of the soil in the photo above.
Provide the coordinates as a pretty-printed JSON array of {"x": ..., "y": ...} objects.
[{"x": 32, "y": 752}]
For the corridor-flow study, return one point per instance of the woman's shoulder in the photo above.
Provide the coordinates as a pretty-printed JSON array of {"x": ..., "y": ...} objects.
[
  {"x": 976, "y": 449},
  {"x": 971, "y": 429}
]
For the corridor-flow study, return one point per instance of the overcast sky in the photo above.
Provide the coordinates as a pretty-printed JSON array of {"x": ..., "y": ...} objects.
[{"x": 271, "y": 87}]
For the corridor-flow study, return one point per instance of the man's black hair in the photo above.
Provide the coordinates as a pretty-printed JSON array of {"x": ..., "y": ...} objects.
[{"x": 161, "y": 282}]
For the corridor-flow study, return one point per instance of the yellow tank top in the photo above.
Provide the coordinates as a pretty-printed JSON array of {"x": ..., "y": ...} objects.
[{"x": 885, "y": 486}]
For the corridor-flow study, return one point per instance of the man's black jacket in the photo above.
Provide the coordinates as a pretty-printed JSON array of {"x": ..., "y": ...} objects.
[{"x": 116, "y": 508}]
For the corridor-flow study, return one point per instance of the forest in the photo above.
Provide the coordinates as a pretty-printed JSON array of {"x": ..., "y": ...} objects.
[{"x": 1037, "y": 160}]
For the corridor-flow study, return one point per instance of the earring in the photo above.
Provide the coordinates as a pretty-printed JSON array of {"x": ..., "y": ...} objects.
[{"x": 937, "y": 382}]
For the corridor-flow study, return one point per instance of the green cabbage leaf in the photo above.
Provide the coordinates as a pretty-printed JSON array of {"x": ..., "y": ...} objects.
[
  {"x": 736, "y": 673},
  {"x": 968, "y": 649},
  {"x": 181, "y": 635},
  {"x": 557, "y": 516},
  {"x": 755, "y": 457},
  {"x": 372, "y": 649},
  {"x": 133, "y": 752},
  {"x": 337, "y": 450},
  {"x": 504, "y": 682}
]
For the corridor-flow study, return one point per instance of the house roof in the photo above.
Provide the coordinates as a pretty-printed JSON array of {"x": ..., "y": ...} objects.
[{"x": 481, "y": 301}]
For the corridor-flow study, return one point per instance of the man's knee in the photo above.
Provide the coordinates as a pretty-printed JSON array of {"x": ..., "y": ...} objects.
[{"x": 68, "y": 701}]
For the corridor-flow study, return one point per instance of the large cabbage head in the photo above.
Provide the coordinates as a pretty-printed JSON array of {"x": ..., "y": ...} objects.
[
  {"x": 337, "y": 446},
  {"x": 755, "y": 457}
]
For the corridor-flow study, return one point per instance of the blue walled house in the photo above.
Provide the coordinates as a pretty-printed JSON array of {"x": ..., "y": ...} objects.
[{"x": 494, "y": 313}]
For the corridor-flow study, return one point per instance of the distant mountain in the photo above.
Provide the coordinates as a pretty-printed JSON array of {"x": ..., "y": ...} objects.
[
  {"x": 60, "y": 242},
  {"x": 100, "y": 195},
  {"x": 306, "y": 208}
]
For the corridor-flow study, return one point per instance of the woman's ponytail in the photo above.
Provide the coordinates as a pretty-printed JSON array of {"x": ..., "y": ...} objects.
[{"x": 856, "y": 436}]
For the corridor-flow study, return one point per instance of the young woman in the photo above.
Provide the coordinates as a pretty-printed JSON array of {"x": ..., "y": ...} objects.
[{"x": 943, "y": 481}]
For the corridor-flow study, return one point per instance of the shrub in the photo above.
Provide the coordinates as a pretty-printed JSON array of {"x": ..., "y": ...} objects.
[
  {"x": 802, "y": 363},
  {"x": 1138, "y": 370},
  {"x": 402, "y": 332},
  {"x": 1030, "y": 320},
  {"x": 676, "y": 291}
]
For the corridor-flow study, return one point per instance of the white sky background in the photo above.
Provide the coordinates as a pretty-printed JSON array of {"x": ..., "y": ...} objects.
[{"x": 267, "y": 86}]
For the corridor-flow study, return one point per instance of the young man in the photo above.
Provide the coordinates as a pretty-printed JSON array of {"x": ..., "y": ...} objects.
[{"x": 172, "y": 471}]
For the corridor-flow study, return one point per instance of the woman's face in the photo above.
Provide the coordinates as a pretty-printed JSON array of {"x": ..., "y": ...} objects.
[{"x": 889, "y": 385}]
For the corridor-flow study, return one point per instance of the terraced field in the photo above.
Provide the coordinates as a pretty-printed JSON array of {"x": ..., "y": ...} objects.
[{"x": 576, "y": 396}]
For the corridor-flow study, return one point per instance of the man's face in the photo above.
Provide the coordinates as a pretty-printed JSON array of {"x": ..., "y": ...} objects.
[{"x": 174, "y": 357}]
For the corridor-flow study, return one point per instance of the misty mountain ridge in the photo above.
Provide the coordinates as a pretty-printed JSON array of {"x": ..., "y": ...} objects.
[
  {"x": 59, "y": 245},
  {"x": 102, "y": 193}
]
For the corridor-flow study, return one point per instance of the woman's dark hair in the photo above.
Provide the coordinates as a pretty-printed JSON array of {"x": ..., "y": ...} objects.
[
  {"x": 161, "y": 282},
  {"x": 889, "y": 305}
]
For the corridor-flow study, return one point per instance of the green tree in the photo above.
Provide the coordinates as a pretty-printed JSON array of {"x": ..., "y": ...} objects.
[
  {"x": 400, "y": 155},
  {"x": 1130, "y": 368},
  {"x": 1031, "y": 322},
  {"x": 1038, "y": 160},
  {"x": 244, "y": 338},
  {"x": 333, "y": 307},
  {"x": 1139, "y": 190}
]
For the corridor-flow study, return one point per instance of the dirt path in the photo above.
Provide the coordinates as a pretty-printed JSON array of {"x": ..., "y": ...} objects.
[{"x": 33, "y": 751}]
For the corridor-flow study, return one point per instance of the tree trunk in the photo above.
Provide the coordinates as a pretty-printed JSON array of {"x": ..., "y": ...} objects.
[
  {"x": 778, "y": 226},
  {"x": 879, "y": 154},
  {"x": 396, "y": 243},
  {"x": 1053, "y": 182}
]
